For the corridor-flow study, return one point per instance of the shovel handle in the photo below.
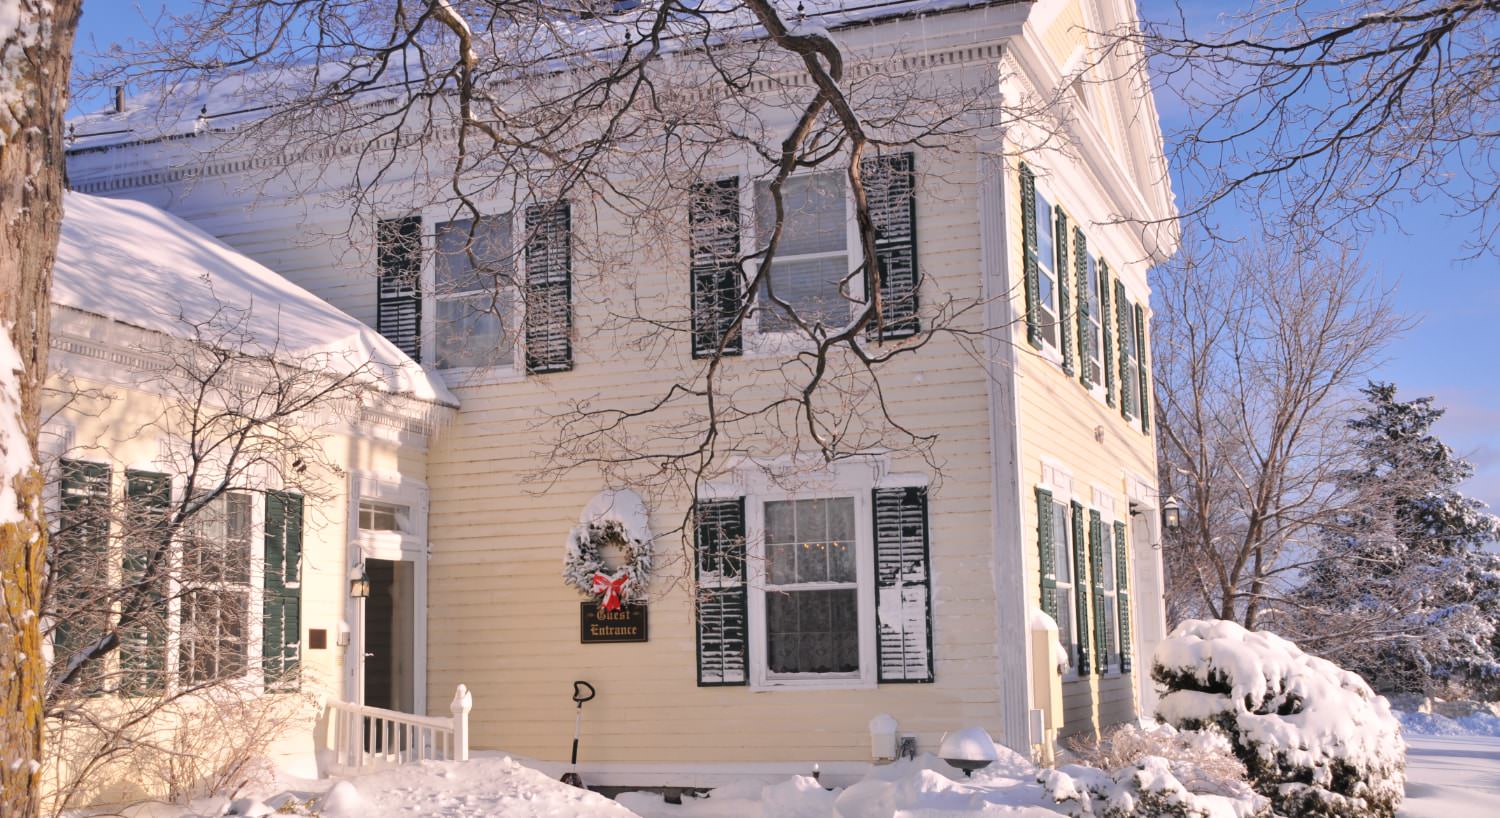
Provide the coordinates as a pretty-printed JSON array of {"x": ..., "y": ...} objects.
[{"x": 579, "y": 696}]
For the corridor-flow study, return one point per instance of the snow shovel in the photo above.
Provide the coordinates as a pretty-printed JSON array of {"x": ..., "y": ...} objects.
[{"x": 571, "y": 777}]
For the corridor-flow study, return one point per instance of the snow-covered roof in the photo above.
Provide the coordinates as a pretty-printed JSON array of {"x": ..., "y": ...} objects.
[
  {"x": 142, "y": 266},
  {"x": 248, "y": 96}
]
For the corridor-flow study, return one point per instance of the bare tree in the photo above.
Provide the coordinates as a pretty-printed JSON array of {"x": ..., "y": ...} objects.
[
  {"x": 1311, "y": 113},
  {"x": 1257, "y": 364},
  {"x": 150, "y": 590},
  {"x": 630, "y": 110},
  {"x": 36, "y": 50}
]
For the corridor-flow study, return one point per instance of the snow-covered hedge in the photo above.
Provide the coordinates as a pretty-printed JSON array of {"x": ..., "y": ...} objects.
[
  {"x": 1313, "y": 737},
  {"x": 1154, "y": 772}
]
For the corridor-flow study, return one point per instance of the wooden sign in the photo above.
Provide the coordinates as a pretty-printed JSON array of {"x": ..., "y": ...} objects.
[{"x": 596, "y": 625}]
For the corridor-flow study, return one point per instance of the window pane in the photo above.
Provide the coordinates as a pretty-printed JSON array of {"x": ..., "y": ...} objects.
[
  {"x": 375, "y": 516},
  {"x": 475, "y": 330},
  {"x": 454, "y": 271},
  {"x": 811, "y": 287},
  {"x": 813, "y": 631},
  {"x": 1109, "y": 562},
  {"x": 1065, "y": 623},
  {"x": 814, "y": 220},
  {"x": 1046, "y": 249},
  {"x": 1061, "y": 549},
  {"x": 781, "y": 564},
  {"x": 781, "y": 523}
]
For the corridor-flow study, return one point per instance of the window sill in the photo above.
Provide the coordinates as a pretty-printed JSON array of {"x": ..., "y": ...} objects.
[
  {"x": 463, "y": 377},
  {"x": 814, "y": 683}
]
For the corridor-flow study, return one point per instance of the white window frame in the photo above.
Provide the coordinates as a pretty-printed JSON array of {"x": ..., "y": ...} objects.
[
  {"x": 759, "y": 586},
  {"x": 1096, "y": 319},
  {"x": 758, "y": 342},
  {"x": 501, "y": 371},
  {"x": 253, "y": 588},
  {"x": 1062, "y": 544},
  {"x": 1048, "y": 268},
  {"x": 1132, "y": 363},
  {"x": 1111, "y": 601}
]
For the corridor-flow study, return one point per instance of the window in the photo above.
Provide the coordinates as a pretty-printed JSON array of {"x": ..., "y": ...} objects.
[
  {"x": 1111, "y": 657},
  {"x": 812, "y": 604},
  {"x": 1095, "y": 344},
  {"x": 812, "y": 258},
  {"x": 473, "y": 293},
  {"x": 213, "y": 633},
  {"x": 1047, "y": 272},
  {"x": 838, "y": 591},
  {"x": 1067, "y": 632},
  {"x": 377, "y": 516},
  {"x": 1129, "y": 369}
]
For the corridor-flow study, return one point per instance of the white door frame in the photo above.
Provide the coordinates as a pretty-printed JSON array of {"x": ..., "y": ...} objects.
[{"x": 407, "y": 545}]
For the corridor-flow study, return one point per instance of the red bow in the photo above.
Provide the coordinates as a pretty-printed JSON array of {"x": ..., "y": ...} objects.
[{"x": 613, "y": 590}]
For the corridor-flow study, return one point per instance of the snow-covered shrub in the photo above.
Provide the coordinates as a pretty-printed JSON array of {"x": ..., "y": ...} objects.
[
  {"x": 1147, "y": 788},
  {"x": 1144, "y": 773},
  {"x": 1204, "y": 762},
  {"x": 1313, "y": 737}
]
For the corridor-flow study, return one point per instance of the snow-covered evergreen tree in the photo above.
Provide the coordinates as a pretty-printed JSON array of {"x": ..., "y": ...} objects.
[{"x": 1401, "y": 589}]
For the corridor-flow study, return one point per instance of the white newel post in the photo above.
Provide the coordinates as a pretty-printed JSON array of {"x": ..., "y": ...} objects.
[{"x": 463, "y": 702}]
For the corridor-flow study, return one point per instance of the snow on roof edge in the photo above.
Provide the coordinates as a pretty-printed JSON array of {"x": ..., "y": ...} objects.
[{"x": 139, "y": 265}]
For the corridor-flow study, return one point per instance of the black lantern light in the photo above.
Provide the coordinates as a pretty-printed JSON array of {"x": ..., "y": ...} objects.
[
  {"x": 1171, "y": 514},
  {"x": 359, "y": 584}
]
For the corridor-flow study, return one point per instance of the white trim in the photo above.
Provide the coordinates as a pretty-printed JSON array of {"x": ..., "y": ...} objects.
[
  {"x": 1012, "y": 632},
  {"x": 409, "y": 546}
]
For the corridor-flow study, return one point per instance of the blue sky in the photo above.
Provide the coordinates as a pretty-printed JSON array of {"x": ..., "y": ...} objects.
[{"x": 1451, "y": 353}]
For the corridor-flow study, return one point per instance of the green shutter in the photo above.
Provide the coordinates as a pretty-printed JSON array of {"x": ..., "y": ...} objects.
[
  {"x": 281, "y": 615},
  {"x": 1086, "y": 374},
  {"x": 890, "y": 193},
  {"x": 1127, "y": 348},
  {"x": 1047, "y": 550},
  {"x": 1096, "y": 584},
  {"x": 1029, "y": 260},
  {"x": 1064, "y": 328},
  {"x": 714, "y": 232},
  {"x": 1122, "y": 595},
  {"x": 76, "y": 560},
  {"x": 549, "y": 288},
  {"x": 1080, "y": 597},
  {"x": 1140, "y": 361},
  {"x": 903, "y": 586},
  {"x": 719, "y": 572},
  {"x": 398, "y": 309},
  {"x": 1106, "y": 355},
  {"x": 143, "y": 642}
]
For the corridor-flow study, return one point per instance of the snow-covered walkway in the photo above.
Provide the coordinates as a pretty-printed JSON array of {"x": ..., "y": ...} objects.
[{"x": 1452, "y": 777}]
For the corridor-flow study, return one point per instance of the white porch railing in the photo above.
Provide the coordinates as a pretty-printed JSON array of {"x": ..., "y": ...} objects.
[{"x": 366, "y": 737}]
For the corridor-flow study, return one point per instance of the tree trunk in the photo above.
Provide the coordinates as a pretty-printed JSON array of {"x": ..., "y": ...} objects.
[{"x": 35, "y": 59}]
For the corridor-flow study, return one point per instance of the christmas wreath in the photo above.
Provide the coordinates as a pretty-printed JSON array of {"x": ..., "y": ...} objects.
[{"x": 584, "y": 568}]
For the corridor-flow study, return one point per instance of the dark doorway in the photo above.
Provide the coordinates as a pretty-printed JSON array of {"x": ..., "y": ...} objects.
[{"x": 389, "y": 672}]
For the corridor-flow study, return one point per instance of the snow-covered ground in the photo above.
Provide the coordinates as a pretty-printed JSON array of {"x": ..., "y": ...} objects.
[
  {"x": 1449, "y": 775},
  {"x": 1452, "y": 765},
  {"x": 1452, "y": 777}
]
